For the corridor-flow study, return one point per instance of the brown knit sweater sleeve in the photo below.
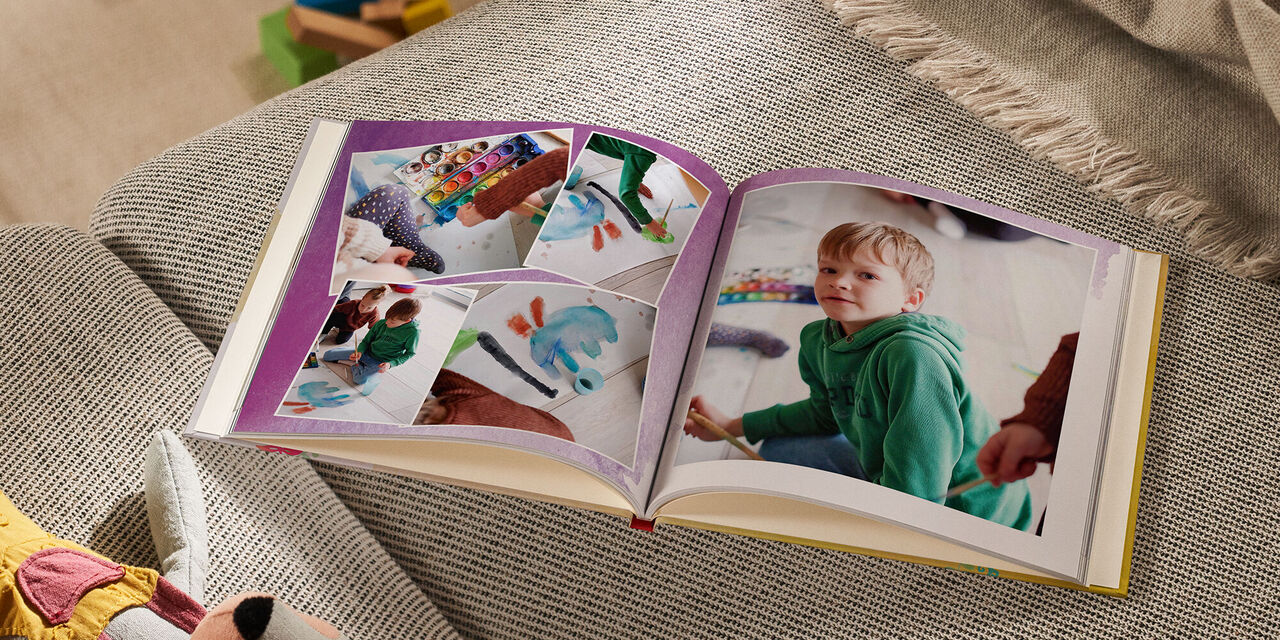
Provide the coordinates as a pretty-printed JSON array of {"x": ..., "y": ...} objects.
[
  {"x": 468, "y": 402},
  {"x": 1046, "y": 399},
  {"x": 540, "y": 172}
]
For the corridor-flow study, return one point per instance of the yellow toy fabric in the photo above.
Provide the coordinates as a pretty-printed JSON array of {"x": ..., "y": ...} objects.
[{"x": 53, "y": 589}]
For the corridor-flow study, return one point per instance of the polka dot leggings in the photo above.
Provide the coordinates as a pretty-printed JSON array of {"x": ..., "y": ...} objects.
[{"x": 388, "y": 207}]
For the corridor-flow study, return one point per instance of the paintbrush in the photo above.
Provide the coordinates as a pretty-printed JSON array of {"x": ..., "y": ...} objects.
[
  {"x": 972, "y": 484},
  {"x": 663, "y": 223},
  {"x": 707, "y": 424}
]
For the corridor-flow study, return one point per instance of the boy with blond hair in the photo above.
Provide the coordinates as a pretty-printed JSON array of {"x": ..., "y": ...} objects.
[
  {"x": 390, "y": 343},
  {"x": 888, "y": 401}
]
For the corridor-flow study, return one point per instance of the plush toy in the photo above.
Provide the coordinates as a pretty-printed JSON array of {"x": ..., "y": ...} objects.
[{"x": 52, "y": 589}]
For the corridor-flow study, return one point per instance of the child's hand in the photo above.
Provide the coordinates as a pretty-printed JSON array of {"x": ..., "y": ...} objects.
[
  {"x": 656, "y": 229},
  {"x": 355, "y": 357},
  {"x": 469, "y": 215},
  {"x": 731, "y": 425},
  {"x": 384, "y": 367},
  {"x": 397, "y": 255},
  {"x": 1012, "y": 453}
]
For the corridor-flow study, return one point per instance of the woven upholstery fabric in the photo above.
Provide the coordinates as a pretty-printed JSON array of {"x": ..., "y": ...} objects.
[
  {"x": 95, "y": 364},
  {"x": 749, "y": 87}
]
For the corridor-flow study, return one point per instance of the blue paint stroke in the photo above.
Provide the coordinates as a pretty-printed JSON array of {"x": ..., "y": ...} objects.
[
  {"x": 568, "y": 330},
  {"x": 565, "y": 223},
  {"x": 320, "y": 394}
]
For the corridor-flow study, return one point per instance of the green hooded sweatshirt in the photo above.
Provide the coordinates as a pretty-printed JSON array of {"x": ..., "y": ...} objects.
[
  {"x": 394, "y": 346},
  {"x": 896, "y": 390},
  {"x": 636, "y": 161}
]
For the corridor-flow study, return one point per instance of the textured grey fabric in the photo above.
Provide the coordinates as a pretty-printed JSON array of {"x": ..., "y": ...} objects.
[
  {"x": 94, "y": 365},
  {"x": 749, "y": 87}
]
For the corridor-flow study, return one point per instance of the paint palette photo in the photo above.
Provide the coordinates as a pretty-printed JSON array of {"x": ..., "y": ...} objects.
[{"x": 449, "y": 175}]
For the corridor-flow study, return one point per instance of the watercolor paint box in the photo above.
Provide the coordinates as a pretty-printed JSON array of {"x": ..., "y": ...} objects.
[
  {"x": 449, "y": 175},
  {"x": 769, "y": 285}
]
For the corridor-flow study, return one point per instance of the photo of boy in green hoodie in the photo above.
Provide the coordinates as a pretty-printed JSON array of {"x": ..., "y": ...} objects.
[{"x": 888, "y": 399}]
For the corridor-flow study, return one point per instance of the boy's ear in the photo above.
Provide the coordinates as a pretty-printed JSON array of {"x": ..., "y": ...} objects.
[{"x": 914, "y": 299}]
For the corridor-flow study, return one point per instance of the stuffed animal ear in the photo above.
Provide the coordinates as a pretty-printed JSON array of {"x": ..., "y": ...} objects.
[
  {"x": 259, "y": 616},
  {"x": 175, "y": 507}
]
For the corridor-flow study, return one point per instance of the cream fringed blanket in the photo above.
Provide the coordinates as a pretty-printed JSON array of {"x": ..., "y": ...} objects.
[{"x": 1169, "y": 107}]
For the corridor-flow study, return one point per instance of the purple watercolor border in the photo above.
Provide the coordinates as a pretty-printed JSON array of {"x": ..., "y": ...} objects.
[{"x": 306, "y": 302}]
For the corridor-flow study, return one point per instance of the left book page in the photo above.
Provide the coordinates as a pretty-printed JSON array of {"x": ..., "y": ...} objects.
[{"x": 530, "y": 286}]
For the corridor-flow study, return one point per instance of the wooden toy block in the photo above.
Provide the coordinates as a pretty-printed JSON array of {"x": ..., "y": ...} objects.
[
  {"x": 420, "y": 15},
  {"x": 344, "y": 36},
  {"x": 298, "y": 63},
  {"x": 347, "y": 7},
  {"x": 384, "y": 14},
  {"x": 459, "y": 6}
]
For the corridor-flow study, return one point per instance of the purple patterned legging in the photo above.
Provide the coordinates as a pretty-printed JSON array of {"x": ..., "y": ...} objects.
[{"x": 388, "y": 207}]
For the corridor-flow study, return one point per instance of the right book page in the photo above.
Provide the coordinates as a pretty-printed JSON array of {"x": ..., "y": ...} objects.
[{"x": 914, "y": 357}]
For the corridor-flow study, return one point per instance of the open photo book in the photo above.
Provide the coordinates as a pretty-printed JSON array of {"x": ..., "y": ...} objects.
[{"x": 591, "y": 317}]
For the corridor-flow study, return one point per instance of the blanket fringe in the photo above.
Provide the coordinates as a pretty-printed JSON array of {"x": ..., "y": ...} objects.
[{"x": 1102, "y": 164}]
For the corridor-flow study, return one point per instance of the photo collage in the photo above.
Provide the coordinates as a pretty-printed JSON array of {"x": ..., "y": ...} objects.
[{"x": 564, "y": 352}]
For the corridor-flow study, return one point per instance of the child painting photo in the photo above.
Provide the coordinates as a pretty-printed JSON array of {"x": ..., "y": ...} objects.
[
  {"x": 621, "y": 220},
  {"x": 415, "y": 212},
  {"x": 864, "y": 333},
  {"x": 888, "y": 401},
  {"x": 390, "y": 342},
  {"x": 376, "y": 354}
]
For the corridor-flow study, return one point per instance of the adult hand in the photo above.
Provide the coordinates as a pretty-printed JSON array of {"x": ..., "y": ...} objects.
[
  {"x": 396, "y": 255},
  {"x": 1011, "y": 453}
]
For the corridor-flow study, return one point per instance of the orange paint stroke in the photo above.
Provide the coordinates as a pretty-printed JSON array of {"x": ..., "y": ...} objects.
[
  {"x": 303, "y": 409},
  {"x": 597, "y": 240},
  {"x": 518, "y": 324},
  {"x": 535, "y": 307},
  {"x": 612, "y": 229}
]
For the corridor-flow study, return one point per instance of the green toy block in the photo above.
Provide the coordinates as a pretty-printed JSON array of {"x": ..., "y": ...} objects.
[{"x": 298, "y": 63}]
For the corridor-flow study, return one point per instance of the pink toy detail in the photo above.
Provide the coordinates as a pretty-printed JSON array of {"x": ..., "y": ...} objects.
[
  {"x": 54, "y": 580},
  {"x": 175, "y": 606}
]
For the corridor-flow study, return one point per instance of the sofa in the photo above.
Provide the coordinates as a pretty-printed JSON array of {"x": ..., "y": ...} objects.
[{"x": 108, "y": 336}]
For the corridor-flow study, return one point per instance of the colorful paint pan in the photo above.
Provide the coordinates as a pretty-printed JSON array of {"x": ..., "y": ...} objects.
[{"x": 450, "y": 174}]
